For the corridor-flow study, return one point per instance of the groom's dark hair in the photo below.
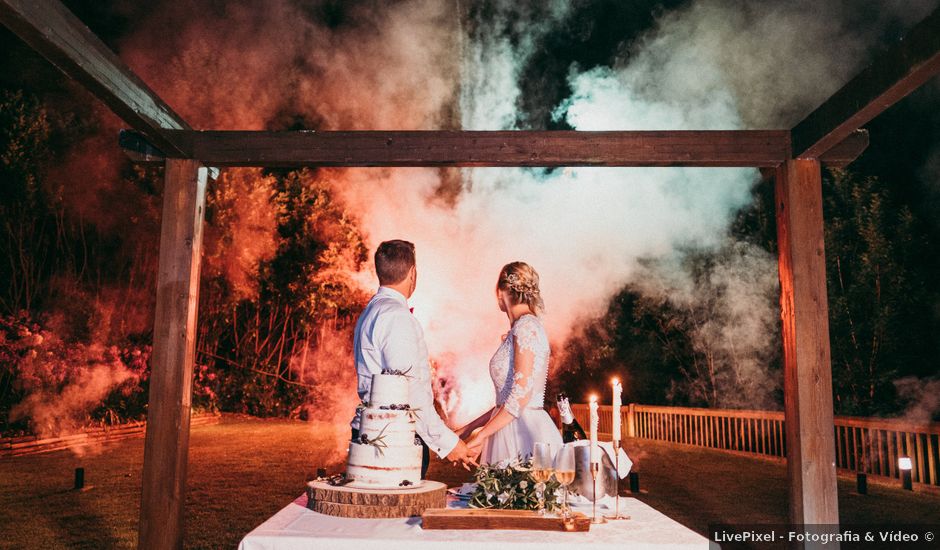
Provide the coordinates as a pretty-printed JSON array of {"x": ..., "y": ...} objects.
[{"x": 393, "y": 259}]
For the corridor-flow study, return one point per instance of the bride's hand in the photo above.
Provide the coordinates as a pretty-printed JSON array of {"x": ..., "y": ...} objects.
[{"x": 475, "y": 443}]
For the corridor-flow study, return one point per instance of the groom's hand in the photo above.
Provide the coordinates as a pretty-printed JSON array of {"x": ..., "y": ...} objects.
[{"x": 463, "y": 454}]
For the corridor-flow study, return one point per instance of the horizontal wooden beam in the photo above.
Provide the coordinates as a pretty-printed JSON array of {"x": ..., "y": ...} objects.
[
  {"x": 138, "y": 149},
  {"x": 893, "y": 74},
  {"x": 728, "y": 148},
  {"x": 847, "y": 151},
  {"x": 53, "y": 31}
]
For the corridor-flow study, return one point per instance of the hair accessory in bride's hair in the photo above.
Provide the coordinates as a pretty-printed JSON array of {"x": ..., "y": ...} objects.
[{"x": 516, "y": 284}]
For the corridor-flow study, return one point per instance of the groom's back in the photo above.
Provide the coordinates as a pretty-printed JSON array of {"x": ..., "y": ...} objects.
[{"x": 373, "y": 329}]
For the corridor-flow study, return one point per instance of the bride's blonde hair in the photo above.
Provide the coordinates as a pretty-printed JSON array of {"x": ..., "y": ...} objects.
[{"x": 522, "y": 284}]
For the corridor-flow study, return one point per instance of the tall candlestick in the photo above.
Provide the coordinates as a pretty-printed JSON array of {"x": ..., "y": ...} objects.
[
  {"x": 618, "y": 390},
  {"x": 595, "y": 451}
]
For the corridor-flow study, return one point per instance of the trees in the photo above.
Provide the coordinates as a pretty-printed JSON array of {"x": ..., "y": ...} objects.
[
  {"x": 701, "y": 327},
  {"x": 25, "y": 130},
  {"x": 878, "y": 293},
  {"x": 78, "y": 246},
  {"x": 696, "y": 329},
  {"x": 255, "y": 341}
]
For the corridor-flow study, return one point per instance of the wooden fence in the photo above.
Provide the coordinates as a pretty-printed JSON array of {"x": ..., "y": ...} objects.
[
  {"x": 869, "y": 445},
  {"x": 29, "y": 445}
]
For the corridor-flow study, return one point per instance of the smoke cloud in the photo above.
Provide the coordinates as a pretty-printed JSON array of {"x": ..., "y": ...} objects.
[
  {"x": 241, "y": 234},
  {"x": 64, "y": 382},
  {"x": 715, "y": 64},
  {"x": 730, "y": 313},
  {"x": 325, "y": 363},
  {"x": 922, "y": 397}
]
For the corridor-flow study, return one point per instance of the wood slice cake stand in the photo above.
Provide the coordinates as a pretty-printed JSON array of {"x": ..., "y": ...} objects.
[{"x": 349, "y": 502}]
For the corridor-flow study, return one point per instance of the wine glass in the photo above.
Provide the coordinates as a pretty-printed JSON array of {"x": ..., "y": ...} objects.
[
  {"x": 564, "y": 473},
  {"x": 542, "y": 467}
]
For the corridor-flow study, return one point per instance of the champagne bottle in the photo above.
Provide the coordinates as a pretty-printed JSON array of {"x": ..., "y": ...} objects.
[{"x": 571, "y": 430}]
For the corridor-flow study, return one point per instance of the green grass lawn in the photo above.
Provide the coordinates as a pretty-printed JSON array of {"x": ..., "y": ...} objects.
[{"x": 243, "y": 470}]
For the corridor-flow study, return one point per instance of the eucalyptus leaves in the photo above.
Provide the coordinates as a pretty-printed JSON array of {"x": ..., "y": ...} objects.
[
  {"x": 378, "y": 441},
  {"x": 509, "y": 485}
]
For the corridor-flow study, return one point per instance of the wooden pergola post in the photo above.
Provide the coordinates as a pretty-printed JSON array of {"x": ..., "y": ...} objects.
[
  {"x": 174, "y": 345},
  {"x": 811, "y": 467}
]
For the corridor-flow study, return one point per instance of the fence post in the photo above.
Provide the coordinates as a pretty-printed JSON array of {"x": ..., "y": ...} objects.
[{"x": 631, "y": 419}]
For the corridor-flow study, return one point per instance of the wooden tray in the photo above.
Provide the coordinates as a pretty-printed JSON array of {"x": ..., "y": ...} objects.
[{"x": 480, "y": 518}]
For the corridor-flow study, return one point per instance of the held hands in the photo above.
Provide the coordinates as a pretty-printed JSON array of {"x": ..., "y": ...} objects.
[
  {"x": 464, "y": 455},
  {"x": 475, "y": 443}
]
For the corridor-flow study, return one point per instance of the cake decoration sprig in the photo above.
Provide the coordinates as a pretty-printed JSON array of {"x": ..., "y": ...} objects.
[{"x": 378, "y": 441}]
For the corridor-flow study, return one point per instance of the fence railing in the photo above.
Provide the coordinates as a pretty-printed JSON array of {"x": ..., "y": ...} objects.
[
  {"x": 32, "y": 444},
  {"x": 869, "y": 445}
]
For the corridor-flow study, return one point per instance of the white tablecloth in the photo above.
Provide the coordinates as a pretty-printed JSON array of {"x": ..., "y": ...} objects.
[{"x": 296, "y": 527}]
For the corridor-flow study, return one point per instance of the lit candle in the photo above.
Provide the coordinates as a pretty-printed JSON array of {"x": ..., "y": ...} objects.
[
  {"x": 618, "y": 389},
  {"x": 595, "y": 451}
]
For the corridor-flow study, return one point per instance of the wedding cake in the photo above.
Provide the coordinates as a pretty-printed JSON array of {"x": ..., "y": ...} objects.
[{"x": 387, "y": 453}]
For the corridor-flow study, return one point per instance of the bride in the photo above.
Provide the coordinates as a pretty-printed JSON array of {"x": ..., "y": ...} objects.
[{"x": 519, "y": 370}]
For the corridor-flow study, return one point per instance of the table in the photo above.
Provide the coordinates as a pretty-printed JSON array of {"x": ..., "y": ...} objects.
[{"x": 296, "y": 527}]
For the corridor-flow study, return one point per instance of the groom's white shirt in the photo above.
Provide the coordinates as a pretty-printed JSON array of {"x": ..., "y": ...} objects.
[{"x": 388, "y": 337}]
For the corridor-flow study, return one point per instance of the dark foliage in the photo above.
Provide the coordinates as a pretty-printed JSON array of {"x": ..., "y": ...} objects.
[{"x": 76, "y": 315}]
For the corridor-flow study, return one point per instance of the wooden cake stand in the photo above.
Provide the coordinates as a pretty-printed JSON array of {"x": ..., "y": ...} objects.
[{"x": 351, "y": 502}]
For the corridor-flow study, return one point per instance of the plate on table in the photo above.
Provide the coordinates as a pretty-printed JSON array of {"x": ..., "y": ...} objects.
[{"x": 464, "y": 492}]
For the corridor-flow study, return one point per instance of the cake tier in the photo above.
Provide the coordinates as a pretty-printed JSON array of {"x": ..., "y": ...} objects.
[
  {"x": 389, "y": 389},
  {"x": 395, "y": 428},
  {"x": 386, "y": 467}
]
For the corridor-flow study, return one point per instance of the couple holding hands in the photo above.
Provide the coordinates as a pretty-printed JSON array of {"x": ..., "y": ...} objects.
[{"x": 389, "y": 338}]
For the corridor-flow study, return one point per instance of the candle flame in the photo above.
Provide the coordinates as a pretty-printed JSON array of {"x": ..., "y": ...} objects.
[{"x": 593, "y": 398}]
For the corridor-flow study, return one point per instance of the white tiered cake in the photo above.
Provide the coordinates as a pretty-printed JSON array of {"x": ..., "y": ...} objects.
[{"x": 387, "y": 454}]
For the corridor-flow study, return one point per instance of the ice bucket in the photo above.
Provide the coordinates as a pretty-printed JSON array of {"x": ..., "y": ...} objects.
[{"x": 583, "y": 483}]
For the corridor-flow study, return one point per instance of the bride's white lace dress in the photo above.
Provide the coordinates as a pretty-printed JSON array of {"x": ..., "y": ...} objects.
[{"x": 522, "y": 393}]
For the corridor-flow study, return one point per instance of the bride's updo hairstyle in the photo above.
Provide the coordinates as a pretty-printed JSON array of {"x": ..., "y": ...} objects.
[{"x": 522, "y": 284}]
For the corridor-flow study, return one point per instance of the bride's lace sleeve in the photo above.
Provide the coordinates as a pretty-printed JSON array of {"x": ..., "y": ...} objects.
[{"x": 527, "y": 343}]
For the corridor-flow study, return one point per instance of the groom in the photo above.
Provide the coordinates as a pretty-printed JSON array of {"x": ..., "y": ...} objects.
[{"x": 388, "y": 337}]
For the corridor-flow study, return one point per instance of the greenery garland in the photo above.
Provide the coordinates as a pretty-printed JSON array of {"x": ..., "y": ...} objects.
[{"x": 510, "y": 486}]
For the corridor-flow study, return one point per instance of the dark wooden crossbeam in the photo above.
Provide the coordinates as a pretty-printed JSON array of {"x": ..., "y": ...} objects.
[
  {"x": 892, "y": 75},
  {"x": 752, "y": 148},
  {"x": 847, "y": 151},
  {"x": 138, "y": 149},
  {"x": 53, "y": 31}
]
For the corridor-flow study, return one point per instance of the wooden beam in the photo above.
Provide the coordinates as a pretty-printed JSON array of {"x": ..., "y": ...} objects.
[
  {"x": 847, "y": 151},
  {"x": 811, "y": 467},
  {"x": 138, "y": 149},
  {"x": 503, "y": 148},
  {"x": 53, "y": 31},
  {"x": 174, "y": 343},
  {"x": 891, "y": 76},
  {"x": 839, "y": 156}
]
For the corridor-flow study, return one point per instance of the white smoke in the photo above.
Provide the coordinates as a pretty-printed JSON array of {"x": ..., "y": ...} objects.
[
  {"x": 729, "y": 313},
  {"x": 714, "y": 64},
  {"x": 922, "y": 398}
]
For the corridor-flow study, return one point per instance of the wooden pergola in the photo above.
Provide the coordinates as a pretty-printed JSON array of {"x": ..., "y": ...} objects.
[{"x": 792, "y": 157}]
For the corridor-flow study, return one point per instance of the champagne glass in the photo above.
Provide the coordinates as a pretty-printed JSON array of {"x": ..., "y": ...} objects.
[
  {"x": 542, "y": 467},
  {"x": 564, "y": 473}
]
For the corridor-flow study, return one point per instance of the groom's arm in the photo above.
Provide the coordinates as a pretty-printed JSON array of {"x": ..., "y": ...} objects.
[{"x": 403, "y": 349}]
